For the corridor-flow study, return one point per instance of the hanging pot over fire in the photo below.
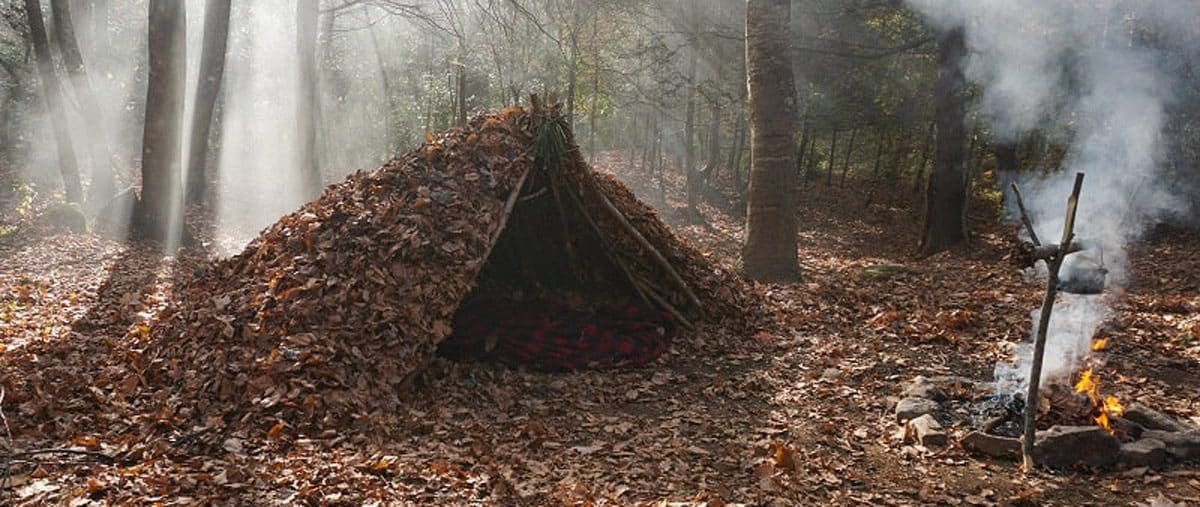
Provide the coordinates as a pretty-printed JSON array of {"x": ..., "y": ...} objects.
[{"x": 1084, "y": 275}]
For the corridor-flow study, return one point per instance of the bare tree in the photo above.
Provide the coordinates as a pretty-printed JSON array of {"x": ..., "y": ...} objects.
[
  {"x": 307, "y": 101},
  {"x": 770, "y": 250},
  {"x": 946, "y": 191},
  {"x": 102, "y": 170},
  {"x": 208, "y": 87},
  {"x": 52, "y": 90},
  {"x": 159, "y": 214}
]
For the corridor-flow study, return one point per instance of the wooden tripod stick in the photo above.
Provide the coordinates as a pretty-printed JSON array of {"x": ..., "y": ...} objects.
[{"x": 1039, "y": 345}]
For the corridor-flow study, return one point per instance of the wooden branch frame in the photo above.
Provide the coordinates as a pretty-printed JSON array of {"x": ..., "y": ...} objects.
[{"x": 1055, "y": 263}]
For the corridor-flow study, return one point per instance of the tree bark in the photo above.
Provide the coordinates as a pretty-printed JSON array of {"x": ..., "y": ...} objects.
[
  {"x": 208, "y": 87},
  {"x": 770, "y": 250},
  {"x": 307, "y": 15},
  {"x": 159, "y": 215},
  {"x": 946, "y": 192},
  {"x": 102, "y": 171},
  {"x": 52, "y": 91}
]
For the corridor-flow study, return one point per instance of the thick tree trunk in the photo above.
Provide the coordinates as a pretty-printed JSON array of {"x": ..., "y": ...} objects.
[
  {"x": 159, "y": 215},
  {"x": 946, "y": 192},
  {"x": 102, "y": 171},
  {"x": 712, "y": 167},
  {"x": 770, "y": 250},
  {"x": 52, "y": 91},
  {"x": 208, "y": 88},
  {"x": 307, "y": 14}
]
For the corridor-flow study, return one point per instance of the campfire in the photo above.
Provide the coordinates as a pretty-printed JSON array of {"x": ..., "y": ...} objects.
[
  {"x": 1061, "y": 424},
  {"x": 1104, "y": 409}
]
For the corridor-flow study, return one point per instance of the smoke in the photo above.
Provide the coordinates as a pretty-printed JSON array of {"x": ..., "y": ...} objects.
[{"x": 1092, "y": 73}]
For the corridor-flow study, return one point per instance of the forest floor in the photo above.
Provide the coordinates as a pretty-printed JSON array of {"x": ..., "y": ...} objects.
[{"x": 799, "y": 414}]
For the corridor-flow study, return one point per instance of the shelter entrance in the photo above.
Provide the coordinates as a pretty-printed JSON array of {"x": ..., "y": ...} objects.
[{"x": 550, "y": 296}]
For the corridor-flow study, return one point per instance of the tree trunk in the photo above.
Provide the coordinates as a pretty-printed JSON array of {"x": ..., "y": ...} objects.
[
  {"x": 849, "y": 153},
  {"x": 103, "y": 179},
  {"x": 735, "y": 155},
  {"x": 159, "y": 215},
  {"x": 770, "y": 250},
  {"x": 946, "y": 192},
  {"x": 689, "y": 136},
  {"x": 208, "y": 87},
  {"x": 802, "y": 150},
  {"x": 926, "y": 147},
  {"x": 52, "y": 91},
  {"x": 879, "y": 147},
  {"x": 713, "y": 165},
  {"x": 832, "y": 158},
  {"x": 307, "y": 15}
]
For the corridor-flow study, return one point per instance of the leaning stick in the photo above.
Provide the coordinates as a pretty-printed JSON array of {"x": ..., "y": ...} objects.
[
  {"x": 669, "y": 308},
  {"x": 1039, "y": 346},
  {"x": 1025, "y": 216},
  {"x": 608, "y": 250},
  {"x": 658, "y": 256}
]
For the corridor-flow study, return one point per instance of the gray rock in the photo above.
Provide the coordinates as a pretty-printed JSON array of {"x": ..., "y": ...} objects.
[
  {"x": 1152, "y": 419},
  {"x": 923, "y": 387},
  {"x": 991, "y": 445},
  {"x": 1072, "y": 446},
  {"x": 927, "y": 431},
  {"x": 1180, "y": 445},
  {"x": 1147, "y": 452},
  {"x": 912, "y": 408}
]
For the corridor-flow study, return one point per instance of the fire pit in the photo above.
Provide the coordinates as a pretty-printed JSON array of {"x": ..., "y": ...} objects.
[{"x": 1078, "y": 427}]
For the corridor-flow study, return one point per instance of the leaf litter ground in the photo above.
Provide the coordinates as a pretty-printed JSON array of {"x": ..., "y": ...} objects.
[{"x": 797, "y": 412}]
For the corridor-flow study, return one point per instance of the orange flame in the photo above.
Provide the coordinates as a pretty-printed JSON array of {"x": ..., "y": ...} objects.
[{"x": 1103, "y": 409}]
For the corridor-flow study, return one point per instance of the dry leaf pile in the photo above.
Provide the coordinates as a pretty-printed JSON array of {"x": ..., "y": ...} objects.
[{"x": 324, "y": 319}]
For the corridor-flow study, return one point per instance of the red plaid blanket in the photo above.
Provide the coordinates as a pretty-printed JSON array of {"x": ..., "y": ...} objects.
[{"x": 547, "y": 335}]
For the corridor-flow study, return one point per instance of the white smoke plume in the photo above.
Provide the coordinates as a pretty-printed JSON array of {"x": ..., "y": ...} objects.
[{"x": 1093, "y": 73}]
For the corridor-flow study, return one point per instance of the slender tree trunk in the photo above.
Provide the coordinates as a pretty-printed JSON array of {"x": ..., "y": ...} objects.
[
  {"x": 573, "y": 65},
  {"x": 208, "y": 88},
  {"x": 460, "y": 85},
  {"x": 770, "y": 250},
  {"x": 802, "y": 151},
  {"x": 809, "y": 155},
  {"x": 849, "y": 153},
  {"x": 52, "y": 91},
  {"x": 307, "y": 15},
  {"x": 712, "y": 168},
  {"x": 832, "y": 158},
  {"x": 879, "y": 147},
  {"x": 689, "y": 136},
  {"x": 735, "y": 156},
  {"x": 159, "y": 215},
  {"x": 595, "y": 91},
  {"x": 102, "y": 187},
  {"x": 946, "y": 193}
]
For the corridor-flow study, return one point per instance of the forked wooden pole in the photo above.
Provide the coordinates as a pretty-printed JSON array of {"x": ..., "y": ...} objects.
[{"x": 1054, "y": 264}]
